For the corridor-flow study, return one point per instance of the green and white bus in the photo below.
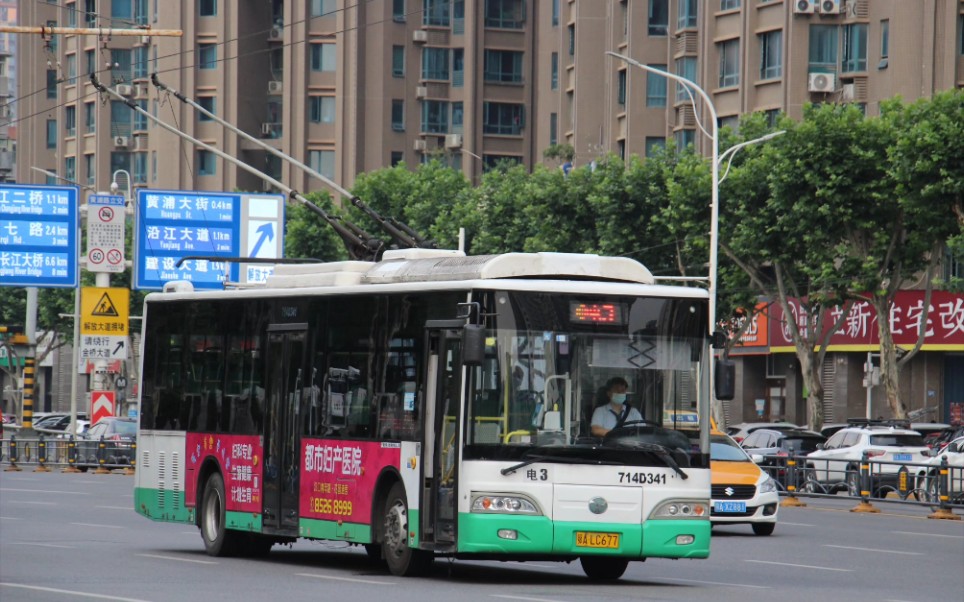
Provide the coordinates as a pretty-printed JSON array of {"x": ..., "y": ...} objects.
[{"x": 431, "y": 404}]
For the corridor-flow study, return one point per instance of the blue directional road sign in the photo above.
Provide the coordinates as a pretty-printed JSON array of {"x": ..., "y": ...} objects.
[
  {"x": 173, "y": 225},
  {"x": 38, "y": 236}
]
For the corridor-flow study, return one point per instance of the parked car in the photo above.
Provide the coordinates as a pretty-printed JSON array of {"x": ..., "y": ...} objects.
[
  {"x": 741, "y": 430},
  {"x": 742, "y": 493},
  {"x": 776, "y": 445},
  {"x": 55, "y": 424},
  {"x": 118, "y": 434},
  {"x": 836, "y": 464},
  {"x": 928, "y": 479}
]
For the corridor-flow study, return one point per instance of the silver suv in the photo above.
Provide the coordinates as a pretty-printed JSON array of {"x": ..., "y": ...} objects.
[{"x": 836, "y": 464}]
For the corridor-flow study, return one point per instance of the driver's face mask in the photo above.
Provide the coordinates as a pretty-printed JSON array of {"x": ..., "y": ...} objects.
[{"x": 619, "y": 398}]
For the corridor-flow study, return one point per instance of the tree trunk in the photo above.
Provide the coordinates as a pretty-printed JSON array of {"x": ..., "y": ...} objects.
[
  {"x": 812, "y": 382},
  {"x": 888, "y": 359}
]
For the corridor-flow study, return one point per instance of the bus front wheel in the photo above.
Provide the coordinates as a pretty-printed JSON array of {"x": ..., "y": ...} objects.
[
  {"x": 401, "y": 559},
  {"x": 603, "y": 568},
  {"x": 218, "y": 540}
]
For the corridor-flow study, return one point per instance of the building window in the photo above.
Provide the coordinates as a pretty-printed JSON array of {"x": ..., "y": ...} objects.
[
  {"x": 458, "y": 16},
  {"x": 855, "y": 47},
  {"x": 396, "y": 158},
  {"x": 684, "y": 139},
  {"x": 555, "y": 13},
  {"x": 51, "y": 133},
  {"x": 503, "y": 66},
  {"x": 90, "y": 117},
  {"x": 435, "y": 12},
  {"x": 490, "y": 162},
  {"x": 885, "y": 43},
  {"x": 206, "y": 165},
  {"x": 729, "y": 4},
  {"x": 153, "y": 166},
  {"x": 654, "y": 144},
  {"x": 435, "y": 63},
  {"x": 70, "y": 169},
  {"x": 140, "y": 120},
  {"x": 209, "y": 104},
  {"x": 90, "y": 13},
  {"x": 140, "y": 12},
  {"x": 730, "y": 121},
  {"x": 553, "y": 128},
  {"x": 435, "y": 117},
  {"x": 207, "y": 8},
  {"x": 121, "y": 70},
  {"x": 658, "y": 17},
  {"x": 398, "y": 11},
  {"x": 321, "y": 109},
  {"x": 70, "y": 120},
  {"x": 458, "y": 67},
  {"x": 960, "y": 33},
  {"x": 458, "y": 115},
  {"x": 71, "y": 68},
  {"x": 71, "y": 15},
  {"x": 823, "y": 49},
  {"x": 502, "y": 118},
  {"x": 140, "y": 168},
  {"x": 121, "y": 10},
  {"x": 686, "y": 12},
  {"x": 621, "y": 87},
  {"x": 323, "y": 57},
  {"x": 90, "y": 169},
  {"x": 320, "y": 8},
  {"x": 729, "y": 63},
  {"x": 140, "y": 62},
  {"x": 505, "y": 14},
  {"x": 554, "y": 71},
  {"x": 322, "y": 161},
  {"x": 771, "y": 54},
  {"x": 656, "y": 88},
  {"x": 207, "y": 56},
  {"x": 620, "y": 149},
  {"x": 686, "y": 68},
  {"x": 772, "y": 116},
  {"x": 90, "y": 58},
  {"x": 51, "y": 83},
  {"x": 398, "y": 115},
  {"x": 398, "y": 61},
  {"x": 572, "y": 40}
]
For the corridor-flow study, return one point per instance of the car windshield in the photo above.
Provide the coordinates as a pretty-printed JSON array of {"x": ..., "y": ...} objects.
[
  {"x": 128, "y": 429},
  {"x": 897, "y": 440},
  {"x": 801, "y": 444},
  {"x": 724, "y": 449}
]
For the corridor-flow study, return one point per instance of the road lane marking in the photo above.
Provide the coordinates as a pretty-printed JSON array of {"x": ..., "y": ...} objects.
[
  {"x": 929, "y": 534},
  {"x": 194, "y": 560},
  {"x": 114, "y": 507},
  {"x": 42, "y": 545},
  {"x": 802, "y": 566},
  {"x": 44, "y": 491},
  {"x": 98, "y": 526},
  {"x": 529, "y": 599},
  {"x": 34, "y": 503},
  {"x": 70, "y": 592},
  {"x": 716, "y": 583},
  {"x": 783, "y": 522},
  {"x": 874, "y": 550},
  {"x": 351, "y": 579},
  {"x": 11, "y": 518}
]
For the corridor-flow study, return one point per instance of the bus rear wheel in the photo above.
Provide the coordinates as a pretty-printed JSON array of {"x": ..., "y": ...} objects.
[
  {"x": 401, "y": 559},
  {"x": 218, "y": 540},
  {"x": 603, "y": 568}
]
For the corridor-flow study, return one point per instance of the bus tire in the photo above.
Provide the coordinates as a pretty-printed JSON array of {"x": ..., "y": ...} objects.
[
  {"x": 218, "y": 540},
  {"x": 603, "y": 568},
  {"x": 401, "y": 559}
]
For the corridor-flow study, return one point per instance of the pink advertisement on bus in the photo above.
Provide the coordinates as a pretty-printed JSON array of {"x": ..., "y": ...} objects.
[
  {"x": 338, "y": 477},
  {"x": 240, "y": 459}
]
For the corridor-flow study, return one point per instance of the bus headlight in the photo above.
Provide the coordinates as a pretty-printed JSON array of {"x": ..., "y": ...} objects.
[
  {"x": 503, "y": 504},
  {"x": 682, "y": 509}
]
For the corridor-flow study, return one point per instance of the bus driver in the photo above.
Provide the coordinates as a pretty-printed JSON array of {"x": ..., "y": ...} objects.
[{"x": 615, "y": 413}]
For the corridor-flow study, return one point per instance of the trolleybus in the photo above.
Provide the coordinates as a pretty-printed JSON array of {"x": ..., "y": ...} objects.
[{"x": 431, "y": 404}]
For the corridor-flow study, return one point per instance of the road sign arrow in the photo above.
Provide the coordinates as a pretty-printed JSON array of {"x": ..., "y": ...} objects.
[
  {"x": 267, "y": 235},
  {"x": 116, "y": 351}
]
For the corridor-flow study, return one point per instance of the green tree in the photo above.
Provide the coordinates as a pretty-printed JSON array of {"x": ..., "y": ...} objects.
[{"x": 308, "y": 235}]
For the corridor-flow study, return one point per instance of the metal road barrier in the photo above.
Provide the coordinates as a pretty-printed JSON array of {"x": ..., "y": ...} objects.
[
  {"x": 940, "y": 487},
  {"x": 69, "y": 454}
]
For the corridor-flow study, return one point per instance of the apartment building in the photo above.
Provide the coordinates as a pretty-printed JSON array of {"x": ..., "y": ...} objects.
[{"x": 8, "y": 91}]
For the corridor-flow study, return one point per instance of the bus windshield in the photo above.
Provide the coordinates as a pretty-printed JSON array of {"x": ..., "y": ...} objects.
[{"x": 553, "y": 360}]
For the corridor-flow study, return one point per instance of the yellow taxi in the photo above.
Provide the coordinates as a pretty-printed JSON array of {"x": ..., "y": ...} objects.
[{"x": 742, "y": 493}]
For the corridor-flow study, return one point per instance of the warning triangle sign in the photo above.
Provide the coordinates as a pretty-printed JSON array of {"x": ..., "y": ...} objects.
[{"x": 105, "y": 308}]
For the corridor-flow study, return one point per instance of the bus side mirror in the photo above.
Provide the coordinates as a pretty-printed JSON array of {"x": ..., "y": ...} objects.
[
  {"x": 725, "y": 380},
  {"x": 473, "y": 345}
]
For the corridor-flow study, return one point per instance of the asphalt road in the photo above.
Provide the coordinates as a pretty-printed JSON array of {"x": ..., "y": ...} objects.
[{"x": 76, "y": 537}]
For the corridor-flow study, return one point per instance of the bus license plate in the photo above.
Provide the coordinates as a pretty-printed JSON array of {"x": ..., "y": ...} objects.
[
  {"x": 590, "y": 539},
  {"x": 902, "y": 457},
  {"x": 729, "y": 506}
]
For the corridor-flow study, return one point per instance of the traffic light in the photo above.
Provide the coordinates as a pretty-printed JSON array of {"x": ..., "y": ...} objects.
[{"x": 13, "y": 335}]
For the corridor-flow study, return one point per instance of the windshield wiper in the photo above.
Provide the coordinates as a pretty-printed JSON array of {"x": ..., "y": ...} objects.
[
  {"x": 660, "y": 451},
  {"x": 565, "y": 459}
]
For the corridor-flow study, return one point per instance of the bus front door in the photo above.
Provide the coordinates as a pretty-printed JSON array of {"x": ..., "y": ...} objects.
[
  {"x": 286, "y": 382},
  {"x": 443, "y": 383}
]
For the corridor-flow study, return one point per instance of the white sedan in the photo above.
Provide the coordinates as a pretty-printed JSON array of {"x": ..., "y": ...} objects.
[{"x": 928, "y": 479}]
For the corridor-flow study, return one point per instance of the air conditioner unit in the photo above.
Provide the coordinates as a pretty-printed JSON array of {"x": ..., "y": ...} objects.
[
  {"x": 124, "y": 89},
  {"x": 266, "y": 129},
  {"x": 831, "y": 7},
  {"x": 141, "y": 91},
  {"x": 140, "y": 143},
  {"x": 805, "y": 7},
  {"x": 821, "y": 82},
  {"x": 420, "y": 145},
  {"x": 421, "y": 91},
  {"x": 275, "y": 87},
  {"x": 420, "y": 36},
  {"x": 121, "y": 141},
  {"x": 453, "y": 141},
  {"x": 847, "y": 92},
  {"x": 145, "y": 40},
  {"x": 276, "y": 33}
]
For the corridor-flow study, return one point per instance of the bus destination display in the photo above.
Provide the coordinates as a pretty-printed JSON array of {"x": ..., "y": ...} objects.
[{"x": 596, "y": 313}]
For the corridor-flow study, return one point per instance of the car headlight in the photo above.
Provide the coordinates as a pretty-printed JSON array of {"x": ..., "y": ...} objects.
[
  {"x": 503, "y": 504},
  {"x": 679, "y": 509},
  {"x": 768, "y": 485}
]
